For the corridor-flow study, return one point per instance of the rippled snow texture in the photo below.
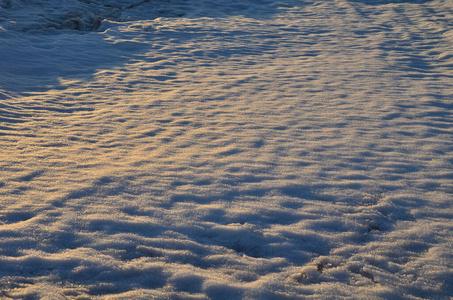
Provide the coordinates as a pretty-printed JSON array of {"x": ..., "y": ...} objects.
[{"x": 195, "y": 149}]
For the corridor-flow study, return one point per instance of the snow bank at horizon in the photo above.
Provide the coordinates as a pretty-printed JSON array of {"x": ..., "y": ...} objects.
[{"x": 241, "y": 150}]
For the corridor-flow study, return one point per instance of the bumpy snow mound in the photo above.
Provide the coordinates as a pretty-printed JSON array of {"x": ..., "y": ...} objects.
[{"x": 79, "y": 15}]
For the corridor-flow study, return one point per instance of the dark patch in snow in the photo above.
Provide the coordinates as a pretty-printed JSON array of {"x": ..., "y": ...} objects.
[
  {"x": 223, "y": 291},
  {"x": 30, "y": 176},
  {"x": 15, "y": 217},
  {"x": 6, "y": 4}
]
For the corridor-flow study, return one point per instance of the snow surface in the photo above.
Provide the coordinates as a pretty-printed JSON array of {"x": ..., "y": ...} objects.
[{"x": 195, "y": 149}]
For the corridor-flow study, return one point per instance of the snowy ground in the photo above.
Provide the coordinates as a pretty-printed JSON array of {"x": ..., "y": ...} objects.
[{"x": 195, "y": 149}]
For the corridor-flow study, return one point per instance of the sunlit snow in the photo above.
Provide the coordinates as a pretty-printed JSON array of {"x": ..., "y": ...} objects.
[{"x": 212, "y": 149}]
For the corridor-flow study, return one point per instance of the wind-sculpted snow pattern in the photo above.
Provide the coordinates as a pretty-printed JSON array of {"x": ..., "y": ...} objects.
[
  {"x": 78, "y": 15},
  {"x": 195, "y": 149}
]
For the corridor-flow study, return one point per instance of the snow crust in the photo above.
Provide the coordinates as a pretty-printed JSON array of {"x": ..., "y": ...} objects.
[{"x": 195, "y": 149}]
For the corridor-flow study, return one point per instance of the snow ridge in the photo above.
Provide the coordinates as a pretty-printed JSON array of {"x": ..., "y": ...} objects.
[{"x": 77, "y": 15}]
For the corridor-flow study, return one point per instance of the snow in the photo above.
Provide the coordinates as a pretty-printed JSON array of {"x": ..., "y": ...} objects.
[{"x": 193, "y": 149}]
